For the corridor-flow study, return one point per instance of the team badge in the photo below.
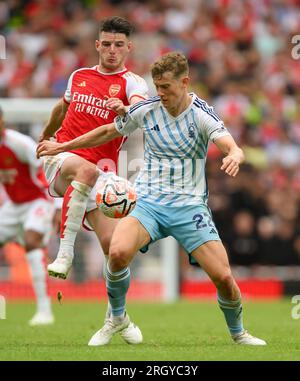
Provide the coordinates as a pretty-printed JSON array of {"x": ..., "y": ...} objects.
[
  {"x": 114, "y": 89},
  {"x": 191, "y": 130},
  {"x": 8, "y": 160}
]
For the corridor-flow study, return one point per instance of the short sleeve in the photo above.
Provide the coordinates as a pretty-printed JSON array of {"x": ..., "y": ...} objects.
[
  {"x": 24, "y": 147},
  {"x": 133, "y": 119},
  {"x": 135, "y": 86},
  {"x": 126, "y": 124},
  {"x": 211, "y": 123},
  {"x": 68, "y": 94},
  {"x": 216, "y": 130},
  {"x": 29, "y": 154}
]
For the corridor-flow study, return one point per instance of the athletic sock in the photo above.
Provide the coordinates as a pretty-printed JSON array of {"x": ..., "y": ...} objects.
[
  {"x": 35, "y": 259},
  {"x": 108, "y": 309},
  {"x": 117, "y": 285},
  {"x": 73, "y": 210},
  {"x": 232, "y": 310}
]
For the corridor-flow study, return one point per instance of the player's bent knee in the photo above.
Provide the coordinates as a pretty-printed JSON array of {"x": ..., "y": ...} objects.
[
  {"x": 119, "y": 258},
  {"x": 88, "y": 174},
  {"x": 224, "y": 281},
  {"x": 33, "y": 241}
]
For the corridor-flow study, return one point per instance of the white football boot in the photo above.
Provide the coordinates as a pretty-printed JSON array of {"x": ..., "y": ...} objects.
[
  {"x": 246, "y": 339},
  {"x": 132, "y": 334},
  {"x": 41, "y": 318},
  {"x": 61, "y": 266},
  {"x": 129, "y": 332}
]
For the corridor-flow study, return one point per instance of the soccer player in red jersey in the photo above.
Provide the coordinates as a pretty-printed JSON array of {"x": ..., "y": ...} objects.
[
  {"x": 83, "y": 108},
  {"x": 27, "y": 214}
]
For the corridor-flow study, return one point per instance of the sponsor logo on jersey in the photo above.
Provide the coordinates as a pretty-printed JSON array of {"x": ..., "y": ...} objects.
[
  {"x": 88, "y": 99},
  {"x": 114, "y": 89},
  {"x": 82, "y": 84}
]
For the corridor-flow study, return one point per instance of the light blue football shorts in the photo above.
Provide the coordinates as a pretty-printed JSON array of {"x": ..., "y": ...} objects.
[{"x": 190, "y": 225}]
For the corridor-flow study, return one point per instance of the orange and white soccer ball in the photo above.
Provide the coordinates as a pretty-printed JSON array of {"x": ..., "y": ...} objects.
[{"x": 115, "y": 196}]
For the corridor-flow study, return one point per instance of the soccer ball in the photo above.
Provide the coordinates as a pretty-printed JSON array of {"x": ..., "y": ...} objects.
[{"x": 115, "y": 196}]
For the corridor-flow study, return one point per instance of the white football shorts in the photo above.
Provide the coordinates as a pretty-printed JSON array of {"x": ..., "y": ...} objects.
[
  {"x": 52, "y": 165},
  {"x": 34, "y": 215}
]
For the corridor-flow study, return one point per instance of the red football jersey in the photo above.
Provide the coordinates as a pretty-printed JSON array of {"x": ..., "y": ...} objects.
[
  {"x": 86, "y": 93},
  {"x": 20, "y": 170}
]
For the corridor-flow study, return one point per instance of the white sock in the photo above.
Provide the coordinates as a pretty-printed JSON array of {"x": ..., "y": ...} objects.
[
  {"x": 35, "y": 259},
  {"x": 73, "y": 210}
]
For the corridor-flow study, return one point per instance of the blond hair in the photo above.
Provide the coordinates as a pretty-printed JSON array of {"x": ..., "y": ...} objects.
[{"x": 174, "y": 62}]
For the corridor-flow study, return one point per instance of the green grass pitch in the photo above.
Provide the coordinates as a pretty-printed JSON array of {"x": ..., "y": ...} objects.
[{"x": 184, "y": 331}]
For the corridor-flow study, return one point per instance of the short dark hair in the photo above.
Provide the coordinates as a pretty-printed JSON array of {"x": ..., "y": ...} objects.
[
  {"x": 174, "y": 61},
  {"x": 116, "y": 24}
]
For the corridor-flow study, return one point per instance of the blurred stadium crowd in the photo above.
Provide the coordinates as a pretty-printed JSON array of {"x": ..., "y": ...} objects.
[{"x": 241, "y": 62}]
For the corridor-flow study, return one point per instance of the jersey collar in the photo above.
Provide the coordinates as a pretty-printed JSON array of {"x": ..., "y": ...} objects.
[
  {"x": 116, "y": 72},
  {"x": 193, "y": 97}
]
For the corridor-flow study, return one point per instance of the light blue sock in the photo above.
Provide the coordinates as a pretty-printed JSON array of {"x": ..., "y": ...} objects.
[
  {"x": 232, "y": 310},
  {"x": 117, "y": 284}
]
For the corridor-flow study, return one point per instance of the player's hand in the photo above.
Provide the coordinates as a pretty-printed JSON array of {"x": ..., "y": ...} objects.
[
  {"x": 116, "y": 105},
  {"x": 44, "y": 136},
  {"x": 50, "y": 148},
  {"x": 231, "y": 165}
]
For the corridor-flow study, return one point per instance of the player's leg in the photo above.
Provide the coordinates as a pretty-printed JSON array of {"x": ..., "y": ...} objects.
[
  {"x": 103, "y": 227},
  {"x": 74, "y": 182},
  {"x": 9, "y": 222},
  {"x": 35, "y": 256},
  {"x": 212, "y": 257},
  {"x": 37, "y": 228},
  {"x": 128, "y": 237},
  {"x": 11, "y": 217}
]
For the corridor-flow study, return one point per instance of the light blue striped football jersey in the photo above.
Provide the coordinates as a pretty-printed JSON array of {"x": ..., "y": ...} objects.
[{"x": 175, "y": 149}]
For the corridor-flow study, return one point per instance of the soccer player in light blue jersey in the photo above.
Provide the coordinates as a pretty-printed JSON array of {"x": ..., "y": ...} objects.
[{"x": 172, "y": 190}]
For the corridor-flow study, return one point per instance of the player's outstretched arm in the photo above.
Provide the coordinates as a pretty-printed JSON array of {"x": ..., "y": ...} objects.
[
  {"x": 96, "y": 137},
  {"x": 118, "y": 106},
  {"x": 56, "y": 118},
  {"x": 234, "y": 155}
]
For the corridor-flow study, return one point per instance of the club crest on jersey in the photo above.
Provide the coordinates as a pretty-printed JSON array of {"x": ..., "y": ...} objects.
[
  {"x": 114, "y": 89},
  {"x": 191, "y": 130},
  {"x": 8, "y": 160}
]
